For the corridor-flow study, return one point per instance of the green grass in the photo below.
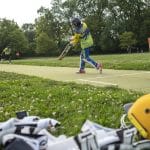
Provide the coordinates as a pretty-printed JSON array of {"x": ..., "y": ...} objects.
[
  {"x": 71, "y": 104},
  {"x": 139, "y": 61}
]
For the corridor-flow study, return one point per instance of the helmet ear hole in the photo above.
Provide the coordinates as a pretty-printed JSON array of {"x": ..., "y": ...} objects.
[{"x": 147, "y": 110}]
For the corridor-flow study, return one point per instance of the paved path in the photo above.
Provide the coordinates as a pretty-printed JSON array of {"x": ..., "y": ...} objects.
[{"x": 127, "y": 79}]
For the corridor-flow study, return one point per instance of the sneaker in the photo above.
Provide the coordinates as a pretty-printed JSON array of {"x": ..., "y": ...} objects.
[
  {"x": 99, "y": 67},
  {"x": 81, "y": 71}
]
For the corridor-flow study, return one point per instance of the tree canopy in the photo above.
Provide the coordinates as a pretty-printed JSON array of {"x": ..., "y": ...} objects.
[
  {"x": 11, "y": 35},
  {"x": 110, "y": 23}
]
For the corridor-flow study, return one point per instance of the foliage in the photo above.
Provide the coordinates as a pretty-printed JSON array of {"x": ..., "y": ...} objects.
[
  {"x": 29, "y": 32},
  {"x": 10, "y": 34},
  {"x": 108, "y": 45},
  {"x": 71, "y": 104},
  {"x": 45, "y": 23},
  {"x": 106, "y": 19},
  {"x": 44, "y": 44},
  {"x": 111, "y": 19},
  {"x": 46, "y": 29},
  {"x": 127, "y": 40},
  {"x": 145, "y": 28}
]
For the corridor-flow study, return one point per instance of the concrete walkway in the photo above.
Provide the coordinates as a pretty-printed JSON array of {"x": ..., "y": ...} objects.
[{"x": 126, "y": 79}]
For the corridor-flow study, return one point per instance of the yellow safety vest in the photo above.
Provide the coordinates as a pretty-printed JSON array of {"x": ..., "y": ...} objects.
[{"x": 85, "y": 41}]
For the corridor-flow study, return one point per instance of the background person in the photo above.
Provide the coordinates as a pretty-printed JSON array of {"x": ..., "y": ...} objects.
[{"x": 6, "y": 54}]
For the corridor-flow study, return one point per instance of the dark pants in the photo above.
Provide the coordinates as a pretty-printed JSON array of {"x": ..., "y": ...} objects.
[
  {"x": 85, "y": 58},
  {"x": 7, "y": 57}
]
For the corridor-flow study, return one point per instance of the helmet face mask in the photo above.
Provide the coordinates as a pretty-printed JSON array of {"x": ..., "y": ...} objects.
[{"x": 76, "y": 23}]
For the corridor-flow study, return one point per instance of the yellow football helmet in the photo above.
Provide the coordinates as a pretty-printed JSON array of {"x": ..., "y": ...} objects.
[{"x": 139, "y": 115}]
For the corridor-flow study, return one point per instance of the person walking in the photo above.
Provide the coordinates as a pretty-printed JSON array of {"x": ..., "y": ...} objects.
[{"x": 6, "y": 54}]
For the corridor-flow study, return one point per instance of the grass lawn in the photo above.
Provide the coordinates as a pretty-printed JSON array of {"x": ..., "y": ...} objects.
[
  {"x": 137, "y": 61},
  {"x": 71, "y": 104}
]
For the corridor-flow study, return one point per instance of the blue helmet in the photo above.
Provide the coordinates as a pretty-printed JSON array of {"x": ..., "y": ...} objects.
[{"x": 76, "y": 22}]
